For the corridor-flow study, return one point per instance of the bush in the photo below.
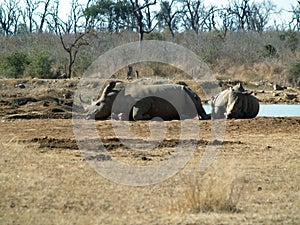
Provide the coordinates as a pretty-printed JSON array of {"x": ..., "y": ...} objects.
[
  {"x": 13, "y": 65},
  {"x": 40, "y": 65}
]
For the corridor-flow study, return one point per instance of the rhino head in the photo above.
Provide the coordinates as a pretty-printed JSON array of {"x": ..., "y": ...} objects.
[
  {"x": 101, "y": 109},
  {"x": 237, "y": 101}
]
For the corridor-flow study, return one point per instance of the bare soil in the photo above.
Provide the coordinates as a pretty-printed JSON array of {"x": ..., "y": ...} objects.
[{"x": 45, "y": 179}]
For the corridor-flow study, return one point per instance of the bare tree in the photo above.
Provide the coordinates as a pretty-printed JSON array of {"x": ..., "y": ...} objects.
[
  {"x": 246, "y": 16},
  {"x": 259, "y": 15},
  {"x": 295, "y": 22},
  {"x": 9, "y": 17},
  {"x": 169, "y": 17},
  {"x": 144, "y": 17},
  {"x": 43, "y": 14},
  {"x": 28, "y": 14},
  {"x": 196, "y": 16},
  {"x": 72, "y": 35},
  {"x": 239, "y": 11}
]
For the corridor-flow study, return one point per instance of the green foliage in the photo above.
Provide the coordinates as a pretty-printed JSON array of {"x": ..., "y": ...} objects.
[
  {"x": 40, "y": 64},
  {"x": 13, "y": 65}
]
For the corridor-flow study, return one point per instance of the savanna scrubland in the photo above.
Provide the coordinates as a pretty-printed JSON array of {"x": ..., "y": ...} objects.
[
  {"x": 45, "y": 178},
  {"x": 247, "y": 56}
]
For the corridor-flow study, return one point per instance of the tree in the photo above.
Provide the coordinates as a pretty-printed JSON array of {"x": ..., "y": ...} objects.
[
  {"x": 43, "y": 14},
  {"x": 246, "y": 16},
  {"x": 295, "y": 22},
  {"x": 143, "y": 16},
  {"x": 239, "y": 11},
  {"x": 109, "y": 15},
  {"x": 9, "y": 17},
  {"x": 28, "y": 14},
  {"x": 196, "y": 16},
  {"x": 168, "y": 17},
  {"x": 72, "y": 35},
  {"x": 259, "y": 15}
]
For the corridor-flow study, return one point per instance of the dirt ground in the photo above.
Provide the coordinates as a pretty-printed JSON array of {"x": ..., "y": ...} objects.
[{"x": 45, "y": 178}]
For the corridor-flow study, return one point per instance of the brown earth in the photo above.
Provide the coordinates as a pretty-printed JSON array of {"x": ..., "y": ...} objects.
[{"x": 45, "y": 179}]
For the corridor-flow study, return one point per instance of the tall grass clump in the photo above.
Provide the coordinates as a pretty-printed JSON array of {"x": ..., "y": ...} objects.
[{"x": 215, "y": 191}]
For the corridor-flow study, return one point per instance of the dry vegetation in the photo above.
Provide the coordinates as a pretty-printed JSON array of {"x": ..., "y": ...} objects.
[
  {"x": 254, "y": 179},
  {"x": 241, "y": 55}
]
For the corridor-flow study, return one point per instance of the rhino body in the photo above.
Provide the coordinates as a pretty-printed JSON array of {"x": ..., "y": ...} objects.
[
  {"x": 140, "y": 101},
  {"x": 235, "y": 102}
]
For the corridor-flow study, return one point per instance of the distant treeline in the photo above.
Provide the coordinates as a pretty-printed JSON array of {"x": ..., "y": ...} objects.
[{"x": 143, "y": 16}]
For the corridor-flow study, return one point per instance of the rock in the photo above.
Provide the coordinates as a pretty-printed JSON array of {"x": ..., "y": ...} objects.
[
  {"x": 21, "y": 85},
  {"x": 277, "y": 87},
  {"x": 67, "y": 95},
  {"x": 259, "y": 188},
  {"x": 275, "y": 94},
  {"x": 290, "y": 96}
]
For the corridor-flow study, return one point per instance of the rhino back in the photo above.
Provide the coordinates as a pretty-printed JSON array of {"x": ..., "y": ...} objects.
[{"x": 167, "y": 101}]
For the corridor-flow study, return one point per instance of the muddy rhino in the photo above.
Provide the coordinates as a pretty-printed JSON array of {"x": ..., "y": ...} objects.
[
  {"x": 140, "y": 101},
  {"x": 234, "y": 102}
]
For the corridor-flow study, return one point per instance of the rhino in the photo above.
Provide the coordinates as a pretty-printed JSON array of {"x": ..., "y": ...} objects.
[
  {"x": 142, "y": 101},
  {"x": 235, "y": 102}
]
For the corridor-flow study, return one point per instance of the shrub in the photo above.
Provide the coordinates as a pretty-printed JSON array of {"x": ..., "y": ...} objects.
[
  {"x": 40, "y": 65},
  {"x": 13, "y": 65}
]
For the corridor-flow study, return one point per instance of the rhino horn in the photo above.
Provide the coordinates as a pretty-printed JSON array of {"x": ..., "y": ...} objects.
[{"x": 83, "y": 103}]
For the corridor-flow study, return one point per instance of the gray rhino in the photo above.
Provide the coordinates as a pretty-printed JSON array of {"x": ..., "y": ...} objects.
[
  {"x": 140, "y": 101},
  {"x": 235, "y": 102}
]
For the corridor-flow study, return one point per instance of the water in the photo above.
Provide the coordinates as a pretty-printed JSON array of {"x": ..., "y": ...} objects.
[{"x": 272, "y": 110}]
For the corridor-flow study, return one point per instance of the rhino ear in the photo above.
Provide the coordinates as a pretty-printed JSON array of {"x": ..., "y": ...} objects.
[
  {"x": 109, "y": 87},
  {"x": 239, "y": 88}
]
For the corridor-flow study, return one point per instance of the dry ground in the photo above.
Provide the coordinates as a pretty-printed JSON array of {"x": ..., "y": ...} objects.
[{"x": 44, "y": 178}]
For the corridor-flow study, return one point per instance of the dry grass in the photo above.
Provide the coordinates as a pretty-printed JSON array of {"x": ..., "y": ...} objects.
[
  {"x": 217, "y": 190},
  {"x": 56, "y": 186}
]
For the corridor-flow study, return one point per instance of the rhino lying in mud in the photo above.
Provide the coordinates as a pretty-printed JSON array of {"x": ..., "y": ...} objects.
[
  {"x": 235, "y": 102},
  {"x": 141, "y": 101}
]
